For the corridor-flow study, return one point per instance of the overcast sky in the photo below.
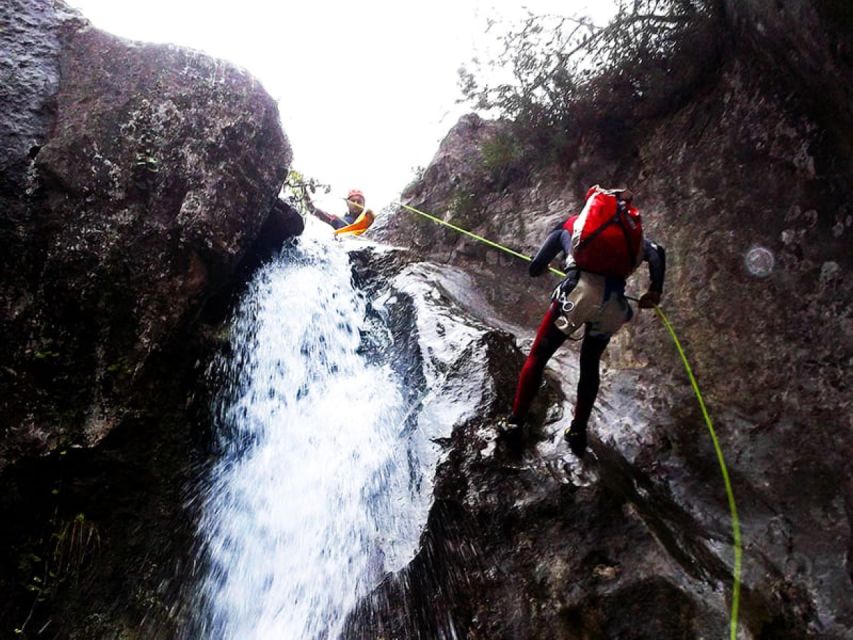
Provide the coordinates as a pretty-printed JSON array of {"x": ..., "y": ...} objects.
[{"x": 366, "y": 90}]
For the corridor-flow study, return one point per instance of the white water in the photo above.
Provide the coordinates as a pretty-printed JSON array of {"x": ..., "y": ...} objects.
[{"x": 315, "y": 495}]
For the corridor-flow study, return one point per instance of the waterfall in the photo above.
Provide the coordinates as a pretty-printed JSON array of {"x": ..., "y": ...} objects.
[{"x": 315, "y": 493}]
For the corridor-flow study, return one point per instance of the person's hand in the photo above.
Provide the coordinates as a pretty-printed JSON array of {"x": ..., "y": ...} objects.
[
  {"x": 650, "y": 299},
  {"x": 568, "y": 283}
]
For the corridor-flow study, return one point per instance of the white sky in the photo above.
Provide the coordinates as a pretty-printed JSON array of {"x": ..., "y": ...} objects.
[{"x": 366, "y": 90}]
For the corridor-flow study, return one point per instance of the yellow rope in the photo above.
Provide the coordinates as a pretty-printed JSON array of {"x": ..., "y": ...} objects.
[
  {"x": 476, "y": 237},
  {"x": 738, "y": 548},
  {"x": 736, "y": 533}
]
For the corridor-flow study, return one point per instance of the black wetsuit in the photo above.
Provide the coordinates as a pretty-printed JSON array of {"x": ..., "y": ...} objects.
[
  {"x": 335, "y": 221},
  {"x": 549, "y": 337}
]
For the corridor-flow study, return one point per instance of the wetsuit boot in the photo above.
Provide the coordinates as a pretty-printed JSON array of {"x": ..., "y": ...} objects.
[
  {"x": 575, "y": 436},
  {"x": 511, "y": 430}
]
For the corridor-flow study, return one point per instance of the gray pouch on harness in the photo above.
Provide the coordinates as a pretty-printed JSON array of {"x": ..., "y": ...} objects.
[{"x": 581, "y": 300}]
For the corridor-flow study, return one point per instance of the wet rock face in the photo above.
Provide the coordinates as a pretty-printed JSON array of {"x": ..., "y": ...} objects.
[
  {"x": 518, "y": 544},
  {"x": 813, "y": 43},
  {"x": 748, "y": 188},
  {"x": 135, "y": 178},
  {"x": 632, "y": 542},
  {"x": 530, "y": 544}
]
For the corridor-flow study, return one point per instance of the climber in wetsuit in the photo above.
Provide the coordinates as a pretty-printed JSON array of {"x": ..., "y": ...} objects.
[
  {"x": 356, "y": 220},
  {"x": 589, "y": 299}
]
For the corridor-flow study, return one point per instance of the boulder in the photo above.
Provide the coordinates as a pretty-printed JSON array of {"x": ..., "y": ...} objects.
[
  {"x": 135, "y": 178},
  {"x": 136, "y": 186}
]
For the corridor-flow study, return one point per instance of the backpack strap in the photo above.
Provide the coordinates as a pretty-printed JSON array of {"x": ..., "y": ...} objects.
[
  {"x": 601, "y": 228},
  {"x": 632, "y": 255}
]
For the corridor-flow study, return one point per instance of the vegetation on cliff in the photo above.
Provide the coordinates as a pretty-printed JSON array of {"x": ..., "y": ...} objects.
[{"x": 555, "y": 78}]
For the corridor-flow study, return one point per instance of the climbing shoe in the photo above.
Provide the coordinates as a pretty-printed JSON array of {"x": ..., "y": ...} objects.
[{"x": 575, "y": 435}]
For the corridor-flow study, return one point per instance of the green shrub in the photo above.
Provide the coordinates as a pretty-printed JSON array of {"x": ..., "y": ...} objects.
[{"x": 570, "y": 75}]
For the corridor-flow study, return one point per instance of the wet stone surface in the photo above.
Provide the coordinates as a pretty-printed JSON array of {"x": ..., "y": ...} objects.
[{"x": 747, "y": 187}]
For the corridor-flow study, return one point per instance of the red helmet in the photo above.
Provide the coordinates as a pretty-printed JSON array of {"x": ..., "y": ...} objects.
[{"x": 355, "y": 193}]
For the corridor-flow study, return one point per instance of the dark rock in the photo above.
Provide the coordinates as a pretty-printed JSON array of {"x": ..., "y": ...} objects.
[
  {"x": 752, "y": 161},
  {"x": 134, "y": 181},
  {"x": 521, "y": 544},
  {"x": 810, "y": 46},
  {"x": 527, "y": 545},
  {"x": 282, "y": 223}
]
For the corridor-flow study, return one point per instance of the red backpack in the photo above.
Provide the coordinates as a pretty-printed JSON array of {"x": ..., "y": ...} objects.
[{"x": 606, "y": 239}]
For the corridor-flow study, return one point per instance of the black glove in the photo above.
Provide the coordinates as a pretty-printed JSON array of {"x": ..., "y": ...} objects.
[
  {"x": 649, "y": 299},
  {"x": 567, "y": 285}
]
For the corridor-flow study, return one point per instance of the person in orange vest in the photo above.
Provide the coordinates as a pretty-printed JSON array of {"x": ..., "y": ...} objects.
[
  {"x": 355, "y": 221},
  {"x": 603, "y": 245}
]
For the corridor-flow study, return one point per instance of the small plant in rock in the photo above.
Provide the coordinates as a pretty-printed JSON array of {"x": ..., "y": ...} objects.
[
  {"x": 503, "y": 157},
  {"x": 298, "y": 189},
  {"x": 147, "y": 162},
  {"x": 71, "y": 544},
  {"x": 465, "y": 206},
  {"x": 76, "y": 541}
]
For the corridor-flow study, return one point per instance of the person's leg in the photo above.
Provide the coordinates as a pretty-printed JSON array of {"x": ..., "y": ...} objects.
[
  {"x": 548, "y": 340},
  {"x": 592, "y": 348}
]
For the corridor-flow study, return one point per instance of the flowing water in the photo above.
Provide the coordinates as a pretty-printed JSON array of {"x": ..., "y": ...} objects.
[{"x": 316, "y": 492}]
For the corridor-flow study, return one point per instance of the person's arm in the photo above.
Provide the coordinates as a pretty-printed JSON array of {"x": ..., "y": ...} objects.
[
  {"x": 558, "y": 240},
  {"x": 655, "y": 255},
  {"x": 328, "y": 218}
]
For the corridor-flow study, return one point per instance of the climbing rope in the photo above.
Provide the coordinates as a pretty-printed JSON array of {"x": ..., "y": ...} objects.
[
  {"x": 736, "y": 533},
  {"x": 476, "y": 237},
  {"x": 738, "y": 548}
]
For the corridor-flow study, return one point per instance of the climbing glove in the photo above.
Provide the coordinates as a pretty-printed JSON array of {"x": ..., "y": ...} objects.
[
  {"x": 649, "y": 299},
  {"x": 575, "y": 435},
  {"x": 567, "y": 285}
]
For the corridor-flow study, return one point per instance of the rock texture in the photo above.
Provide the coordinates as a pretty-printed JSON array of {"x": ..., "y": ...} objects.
[
  {"x": 530, "y": 544},
  {"x": 134, "y": 181},
  {"x": 811, "y": 47},
  {"x": 753, "y": 161},
  {"x": 134, "y": 184}
]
